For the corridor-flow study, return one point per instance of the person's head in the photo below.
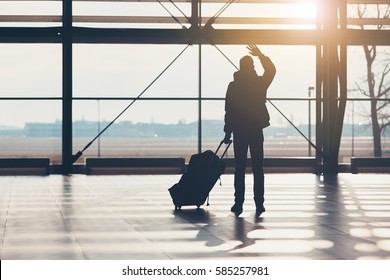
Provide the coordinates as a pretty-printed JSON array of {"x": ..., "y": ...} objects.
[{"x": 246, "y": 63}]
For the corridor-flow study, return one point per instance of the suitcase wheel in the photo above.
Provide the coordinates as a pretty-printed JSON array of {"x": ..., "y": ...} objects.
[
  {"x": 177, "y": 207},
  {"x": 198, "y": 206}
]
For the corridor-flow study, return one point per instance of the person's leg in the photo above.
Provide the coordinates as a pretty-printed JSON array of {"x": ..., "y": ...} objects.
[
  {"x": 240, "y": 155},
  {"x": 257, "y": 155}
]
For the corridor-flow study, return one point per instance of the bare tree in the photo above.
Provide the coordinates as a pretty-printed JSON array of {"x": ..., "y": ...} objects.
[{"x": 378, "y": 77}]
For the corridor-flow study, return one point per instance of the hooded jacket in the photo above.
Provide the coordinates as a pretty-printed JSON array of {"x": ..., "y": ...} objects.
[{"x": 245, "y": 109}]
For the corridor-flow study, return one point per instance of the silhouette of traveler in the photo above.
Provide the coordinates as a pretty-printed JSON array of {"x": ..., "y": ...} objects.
[{"x": 246, "y": 115}]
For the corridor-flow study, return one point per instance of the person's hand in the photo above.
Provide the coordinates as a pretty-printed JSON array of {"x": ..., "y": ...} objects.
[
  {"x": 227, "y": 140},
  {"x": 254, "y": 50}
]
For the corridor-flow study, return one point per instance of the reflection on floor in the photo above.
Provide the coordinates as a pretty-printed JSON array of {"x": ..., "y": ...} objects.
[{"x": 132, "y": 217}]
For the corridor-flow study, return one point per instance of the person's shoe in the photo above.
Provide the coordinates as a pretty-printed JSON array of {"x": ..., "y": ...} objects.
[
  {"x": 259, "y": 211},
  {"x": 236, "y": 209}
]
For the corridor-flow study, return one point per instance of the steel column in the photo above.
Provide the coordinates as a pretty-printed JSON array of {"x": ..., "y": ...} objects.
[
  {"x": 67, "y": 87},
  {"x": 318, "y": 89},
  {"x": 334, "y": 86},
  {"x": 342, "y": 76},
  {"x": 196, "y": 30}
]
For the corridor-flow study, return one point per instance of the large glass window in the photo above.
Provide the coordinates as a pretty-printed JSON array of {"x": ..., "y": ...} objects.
[
  {"x": 30, "y": 101},
  {"x": 31, "y": 70},
  {"x": 262, "y": 15},
  {"x": 131, "y": 14},
  {"x": 31, "y": 128},
  {"x": 366, "y": 123},
  {"x": 357, "y": 138},
  {"x": 30, "y": 13},
  {"x": 148, "y": 129},
  {"x": 163, "y": 123},
  {"x": 127, "y": 70}
]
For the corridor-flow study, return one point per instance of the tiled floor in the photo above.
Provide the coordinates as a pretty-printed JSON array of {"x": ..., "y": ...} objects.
[{"x": 132, "y": 217}]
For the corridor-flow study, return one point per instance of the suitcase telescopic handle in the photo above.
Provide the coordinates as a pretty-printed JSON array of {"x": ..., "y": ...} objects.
[{"x": 227, "y": 147}]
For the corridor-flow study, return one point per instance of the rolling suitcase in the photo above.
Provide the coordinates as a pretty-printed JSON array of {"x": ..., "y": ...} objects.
[{"x": 202, "y": 173}]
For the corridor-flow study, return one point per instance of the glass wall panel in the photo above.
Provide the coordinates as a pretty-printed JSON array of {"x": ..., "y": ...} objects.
[
  {"x": 281, "y": 139},
  {"x": 30, "y": 13},
  {"x": 131, "y": 14},
  {"x": 148, "y": 129},
  {"x": 369, "y": 103},
  {"x": 31, "y": 128},
  {"x": 127, "y": 70},
  {"x": 295, "y": 66},
  {"x": 217, "y": 71},
  {"x": 31, "y": 70},
  {"x": 251, "y": 15},
  {"x": 213, "y": 113},
  {"x": 357, "y": 139},
  {"x": 368, "y": 16}
]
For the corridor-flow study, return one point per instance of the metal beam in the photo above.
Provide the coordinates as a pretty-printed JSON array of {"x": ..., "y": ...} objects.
[
  {"x": 27, "y": 19},
  {"x": 67, "y": 93},
  {"x": 184, "y": 36},
  {"x": 228, "y": 36},
  {"x": 30, "y": 34}
]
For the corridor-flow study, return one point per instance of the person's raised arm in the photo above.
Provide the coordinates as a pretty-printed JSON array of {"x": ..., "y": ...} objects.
[{"x": 269, "y": 67}]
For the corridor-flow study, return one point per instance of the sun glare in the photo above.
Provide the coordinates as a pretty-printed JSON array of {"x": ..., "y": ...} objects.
[{"x": 304, "y": 10}]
